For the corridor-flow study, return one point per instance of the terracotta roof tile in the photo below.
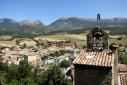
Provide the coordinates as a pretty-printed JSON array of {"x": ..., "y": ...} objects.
[
  {"x": 102, "y": 58},
  {"x": 122, "y": 68},
  {"x": 123, "y": 78}
]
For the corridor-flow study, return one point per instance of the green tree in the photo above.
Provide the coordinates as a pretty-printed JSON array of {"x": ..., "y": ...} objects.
[
  {"x": 23, "y": 46},
  {"x": 17, "y": 42},
  {"x": 3, "y": 66},
  {"x": 75, "y": 45},
  {"x": 113, "y": 46},
  {"x": 64, "y": 63},
  {"x": 122, "y": 58},
  {"x": 12, "y": 73},
  {"x": 62, "y": 52},
  {"x": 52, "y": 54},
  {"x": 2, "y": 78},
  {"x": 57, "y": 53},
  {"x": 24, "y": 69},
  {"x": 44, "y": 57},
  {"x": 53, "y": 76},
  {"x": 84, "y": 47}
]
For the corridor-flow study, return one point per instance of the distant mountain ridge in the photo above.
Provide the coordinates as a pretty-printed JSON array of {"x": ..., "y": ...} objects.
[
  {"x": 10, "y": 26},
  {"x": 73, "y": 24},
  {"x": 31, "y": 22},
  {"x": 7, "y": 23},
  {"x": 62, "y": 24}
]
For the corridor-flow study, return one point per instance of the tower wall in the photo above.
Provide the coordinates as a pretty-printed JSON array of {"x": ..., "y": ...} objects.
[{"x": 92, "y": 75}]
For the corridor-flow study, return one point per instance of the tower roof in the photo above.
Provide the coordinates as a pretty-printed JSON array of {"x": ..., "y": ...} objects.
[{"x": 93, "y": 58}]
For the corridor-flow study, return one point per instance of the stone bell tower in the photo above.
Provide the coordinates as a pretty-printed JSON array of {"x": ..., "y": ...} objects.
[
  {"x": 97, "y": 39},
  {"x": 95, "y": 64}
]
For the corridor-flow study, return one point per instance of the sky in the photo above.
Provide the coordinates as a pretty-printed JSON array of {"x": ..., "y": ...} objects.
[{"x": 50, "y": 10}]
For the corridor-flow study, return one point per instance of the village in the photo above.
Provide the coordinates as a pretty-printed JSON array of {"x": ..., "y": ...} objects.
[{"x": 38, "y": 55}]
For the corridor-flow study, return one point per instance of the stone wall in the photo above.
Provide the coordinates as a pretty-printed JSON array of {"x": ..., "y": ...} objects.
[{"x": 92, "y": 75}]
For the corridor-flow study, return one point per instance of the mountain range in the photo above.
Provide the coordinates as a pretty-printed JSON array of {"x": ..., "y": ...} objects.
[{"x": 63, "y": 24}]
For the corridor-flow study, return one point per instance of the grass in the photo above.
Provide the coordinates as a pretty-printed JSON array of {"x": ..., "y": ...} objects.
[
  {"x": 7, "y": 37},
  {"x": 8, "y": 43},
  {"x": 80, "y": 39},
  {"x": 80, "y": 44},
  {"x": 28, "y": 42},
  {"x": 123, "y": 41},
  {"x": 65, "y": 37}
]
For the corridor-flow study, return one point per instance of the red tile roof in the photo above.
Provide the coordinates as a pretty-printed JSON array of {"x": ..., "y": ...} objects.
[
  {"x": 123, "y": 78},
  {"x": 122, "y": 68},
  {"x": 122, "y": 73},
  {"x": 103, "y": 58}
]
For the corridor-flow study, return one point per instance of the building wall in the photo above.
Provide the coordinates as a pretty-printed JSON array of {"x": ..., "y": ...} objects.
[{"x": 92, "y": 75}]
